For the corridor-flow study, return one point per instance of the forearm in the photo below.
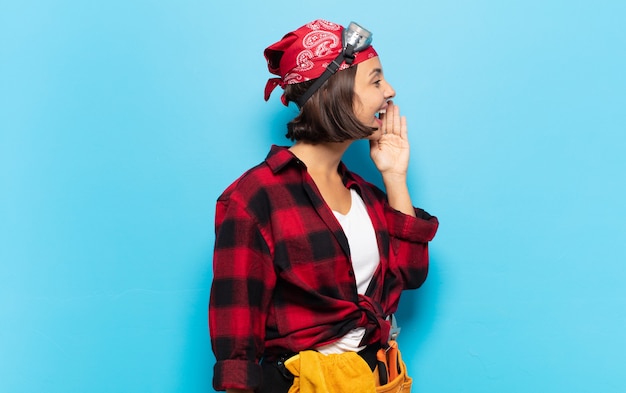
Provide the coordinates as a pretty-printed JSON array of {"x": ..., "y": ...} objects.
[{"x": 398, "y": 194}]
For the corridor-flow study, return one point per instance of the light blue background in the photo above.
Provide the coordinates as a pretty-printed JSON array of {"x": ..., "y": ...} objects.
[{"x": 122, "y": 121}]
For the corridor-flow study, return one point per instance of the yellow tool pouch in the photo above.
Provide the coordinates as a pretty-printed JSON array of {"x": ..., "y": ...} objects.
[
  {"x": 318, "y": 373},
  {"x": 347, "y": 372}
]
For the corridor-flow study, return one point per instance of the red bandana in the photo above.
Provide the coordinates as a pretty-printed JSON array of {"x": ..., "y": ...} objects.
[{"x": 305, "y": 53}]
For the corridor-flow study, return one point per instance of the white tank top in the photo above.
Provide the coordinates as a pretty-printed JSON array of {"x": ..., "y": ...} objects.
[{"x": 365, "y": 256}]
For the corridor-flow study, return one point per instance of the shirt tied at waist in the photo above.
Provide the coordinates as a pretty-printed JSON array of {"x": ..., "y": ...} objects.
[{"x": 374, "y": 320}]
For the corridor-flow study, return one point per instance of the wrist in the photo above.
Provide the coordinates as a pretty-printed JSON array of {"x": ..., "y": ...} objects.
[{"x": 394, "y": 178}]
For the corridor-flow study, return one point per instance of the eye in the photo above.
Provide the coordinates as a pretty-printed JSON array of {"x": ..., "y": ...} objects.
[{"x": 377, "y": 83}]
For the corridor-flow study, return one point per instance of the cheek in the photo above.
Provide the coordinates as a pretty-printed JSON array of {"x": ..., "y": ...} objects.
[
  {"x": 366, "y": 114},
  {"x": 358, "y": 107},
  {"x": 365, "y": 106},
  {"x": 373, "y": 107}
]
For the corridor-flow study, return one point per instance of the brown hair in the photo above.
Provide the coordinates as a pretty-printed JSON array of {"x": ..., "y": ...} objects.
[{"x": 328, "y": 116}]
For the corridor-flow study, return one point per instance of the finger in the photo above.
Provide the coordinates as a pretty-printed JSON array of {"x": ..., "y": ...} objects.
[
  {"x": 393, "y": 120},
  {"x": 383, "y": 119},
  {"x": 396, "y": 128},
  {"x": 403, "y": 128},
  {"x": 389, "y": 117}
]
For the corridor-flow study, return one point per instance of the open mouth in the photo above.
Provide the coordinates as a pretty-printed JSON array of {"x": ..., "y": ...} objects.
[{"x": 379, "y": 115}]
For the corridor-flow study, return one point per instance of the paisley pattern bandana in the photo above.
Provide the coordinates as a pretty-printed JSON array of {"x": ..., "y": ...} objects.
[{"x": 304, "y": 54}]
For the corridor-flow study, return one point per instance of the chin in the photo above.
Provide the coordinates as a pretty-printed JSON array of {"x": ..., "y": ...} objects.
[{"x": 375, "y": 135}]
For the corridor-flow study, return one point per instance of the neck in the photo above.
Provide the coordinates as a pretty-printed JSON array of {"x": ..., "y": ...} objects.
[
  {"x": 322, "y": 161},
  {"x": 321, "y": 158}
]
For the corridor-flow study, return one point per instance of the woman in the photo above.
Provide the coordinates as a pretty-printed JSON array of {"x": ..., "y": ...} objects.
[{"x": 308, "y": 255}]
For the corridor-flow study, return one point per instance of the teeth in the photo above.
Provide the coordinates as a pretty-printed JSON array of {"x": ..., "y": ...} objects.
[{"x": 382, "y": 111}]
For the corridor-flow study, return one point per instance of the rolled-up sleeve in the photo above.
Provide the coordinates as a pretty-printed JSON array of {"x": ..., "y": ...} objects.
[{"x": 409, "y": 237}]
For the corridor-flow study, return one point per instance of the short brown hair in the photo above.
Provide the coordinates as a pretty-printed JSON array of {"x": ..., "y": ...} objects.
[{"x": 328, "y": 116}]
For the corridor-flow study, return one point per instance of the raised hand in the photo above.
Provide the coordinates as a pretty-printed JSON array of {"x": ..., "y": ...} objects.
[{"x": 390, "y": 152}]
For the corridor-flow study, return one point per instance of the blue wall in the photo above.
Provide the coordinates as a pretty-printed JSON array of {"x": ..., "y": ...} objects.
[{"x": 122, "y": 121}]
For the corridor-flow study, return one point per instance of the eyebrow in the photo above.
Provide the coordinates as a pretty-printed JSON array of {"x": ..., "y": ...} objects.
[{"x": 376, "y": 71}]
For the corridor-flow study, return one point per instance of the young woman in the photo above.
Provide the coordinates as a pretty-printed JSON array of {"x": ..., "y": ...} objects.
[{"x": 308, "y": 255}]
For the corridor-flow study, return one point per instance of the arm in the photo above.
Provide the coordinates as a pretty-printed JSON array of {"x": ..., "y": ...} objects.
[
  {"x": 243, "y": 280},
  {"x": 390, "y": 154},
  {"x": 410, "y": 229}
]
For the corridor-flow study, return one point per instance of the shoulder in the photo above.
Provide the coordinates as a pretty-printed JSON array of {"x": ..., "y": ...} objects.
[
  {"x": 265, "y": 182},
  {"x": 248, "y": 184},
  {"x": 270, "y": 171},
  {"x": 240, "y": 201}
]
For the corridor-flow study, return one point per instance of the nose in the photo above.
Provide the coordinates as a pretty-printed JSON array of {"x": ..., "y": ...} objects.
[{"x": 389, "y": 91}]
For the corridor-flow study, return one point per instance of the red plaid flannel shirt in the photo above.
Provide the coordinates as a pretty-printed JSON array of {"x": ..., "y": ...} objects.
[{"x": 282, "y": 277}]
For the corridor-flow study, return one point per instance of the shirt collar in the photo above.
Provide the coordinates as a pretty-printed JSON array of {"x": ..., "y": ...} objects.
[
  {"x": 346, "y": 176},
  {"x": 280, "y": 156}
]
